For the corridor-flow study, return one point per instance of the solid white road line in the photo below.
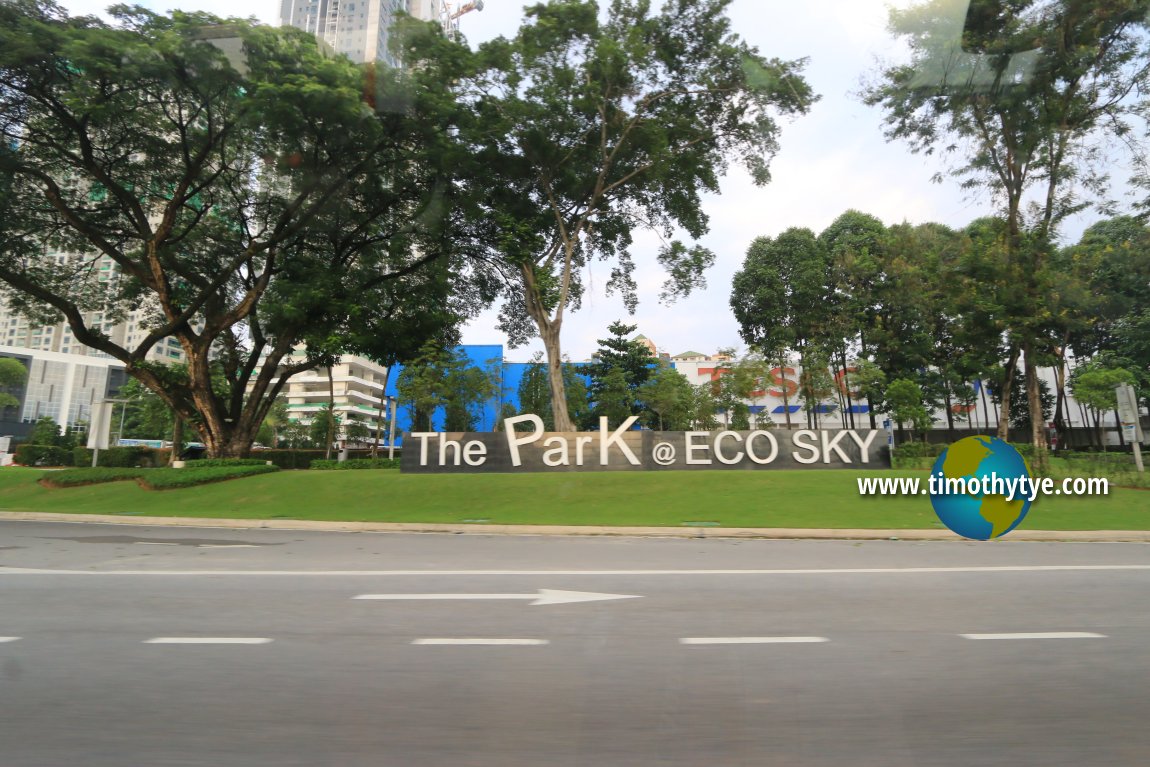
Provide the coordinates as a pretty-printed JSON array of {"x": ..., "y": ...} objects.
[
  {"x": 208, "y": 640},
  {"x": 1038, "y": 635},
  {"x": 494, "y": 642},
  {"x": 752, "y": 640},
  {"x": 471, "y": 573},
  {"x": 9, "y": 639}
]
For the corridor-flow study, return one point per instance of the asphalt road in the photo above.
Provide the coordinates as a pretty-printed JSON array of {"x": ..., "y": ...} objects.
[{"x": 162, "y": 647}]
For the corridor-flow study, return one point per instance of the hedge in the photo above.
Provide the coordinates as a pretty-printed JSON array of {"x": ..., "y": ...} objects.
[
  {"x": 42, "y": 455},
  {"x": 207, "y": 463},
  {"x": 356, "y": 463},
  {"x": 123, "y": 457},
  {"x": 170, "y": 479},
  {"x": 152, "y": 479},
  {"x": 917, "y": 450}
]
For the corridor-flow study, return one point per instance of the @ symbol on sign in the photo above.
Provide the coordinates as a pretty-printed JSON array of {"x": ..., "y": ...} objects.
[{"x": 663, "y": 454}]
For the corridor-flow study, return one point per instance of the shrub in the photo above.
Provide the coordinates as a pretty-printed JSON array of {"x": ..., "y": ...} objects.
[
  {"x": 42, "y": 455},
  {"x": 917, "y": 450},
  {"x": 171, "y": 479},
  {"x": 207, "y": 463},
  {"x": 123, "y": 457},
  {"x": 152, "y": 479},
  {"x": 356, "y": 463},
  {"x": 292, "y": 459},
  {"x": 89, "y": 476}
]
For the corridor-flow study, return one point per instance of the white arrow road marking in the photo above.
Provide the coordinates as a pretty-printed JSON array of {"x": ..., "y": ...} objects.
[
  {"x": 1040, "y": 635},
  {"x": 542, "y": 597},
  {"x": 484, "y": 642},
  {"x": 208, "y": 640},
  {"x": 752, "y": 640}
]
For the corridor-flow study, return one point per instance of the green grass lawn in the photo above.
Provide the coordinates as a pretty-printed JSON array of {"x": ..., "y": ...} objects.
[{"x": 796, "y": 499}]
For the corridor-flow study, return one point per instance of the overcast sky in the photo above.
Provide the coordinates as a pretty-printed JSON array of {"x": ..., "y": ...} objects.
[{"x": 832, "y": 160}]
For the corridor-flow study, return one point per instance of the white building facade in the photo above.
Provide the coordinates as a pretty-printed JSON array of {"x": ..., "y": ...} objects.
[{"x": 359, "y": 29}]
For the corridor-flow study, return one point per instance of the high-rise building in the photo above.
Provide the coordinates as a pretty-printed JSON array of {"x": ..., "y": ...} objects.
[{"x": 359, "y": 29}]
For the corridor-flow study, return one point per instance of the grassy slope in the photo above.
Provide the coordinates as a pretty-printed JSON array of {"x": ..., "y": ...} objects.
[{"x": 798, "y": 499}]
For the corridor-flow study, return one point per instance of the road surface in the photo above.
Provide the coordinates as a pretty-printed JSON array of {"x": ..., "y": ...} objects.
[{"x": 179, "y": 648}]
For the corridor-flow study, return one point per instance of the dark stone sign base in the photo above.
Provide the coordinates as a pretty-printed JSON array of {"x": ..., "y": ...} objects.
[{"x": 619, "y": 450}]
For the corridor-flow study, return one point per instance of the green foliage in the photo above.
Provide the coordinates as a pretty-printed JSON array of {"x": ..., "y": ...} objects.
[
  {"x": 152, "y": 479},
  {"x": 171, "y": 479},
  {"x": 1019, "y": 406},
  {"x": 212, "y": 463},
  {"x": 904, "y": 399},
  {"x": 13, "y": 375},
  {"x": 250, "y": 203},
  {"x": 88, "y": 476},
  {"x": 1051, "y": 90},
  {"x": 292, "y": 459},
  {"x": 42, "y": 455},
  {"x": 440, "y": 377},
  {"x": 909, "y": 450},
  {"x": 1096, "y": 386},
  {"x": 45, "y": 431},
  {"x": 586, "y": 127},
  {"x": 355, "y": 464},
  {"x": 535, "y": 393},
  {"x": 669, "y": 396},
  {"x": 618, "y": 369},
  {"x": 120, "y": 457}
]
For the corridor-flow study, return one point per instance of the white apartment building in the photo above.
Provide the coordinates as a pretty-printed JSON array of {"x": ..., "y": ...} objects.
[
  {"x": 358, "y": 389},
  {"x": 359, "y": 29}
]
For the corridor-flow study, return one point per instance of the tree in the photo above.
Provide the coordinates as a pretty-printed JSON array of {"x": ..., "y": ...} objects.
[
  {"x": 535, "y": 393},
  {"x": 444, "y": 378},
  {"x": 325, "y": 424},
  {"x": 904, "y": 399},
  {"x": 669, "y": 395},
  {"x": 620, "y": 363},
  {"x": 780, "y": 297},
  {"x": 13, "y": 375},
  {"x": 1095, "y": 386},
  {"x": 586, "y": 128},
  {"x": 246, "y": 205},
  {"x": 45, "y": 431},
  {"x": 1021, "y": 94}
]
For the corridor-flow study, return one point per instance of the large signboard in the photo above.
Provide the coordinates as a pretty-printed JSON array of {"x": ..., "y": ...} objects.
[{"x": 523, "y": 446}]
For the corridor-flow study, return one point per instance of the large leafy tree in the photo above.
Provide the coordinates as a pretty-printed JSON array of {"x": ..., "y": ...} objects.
[
  {"x": 591, "y": 125},
  {"x": 246, "y": 204},
  {"x": 781, "y": 298},
  {"x": 1019, "y": 93}
]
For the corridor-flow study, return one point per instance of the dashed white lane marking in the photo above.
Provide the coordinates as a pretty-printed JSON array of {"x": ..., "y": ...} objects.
[
  {"x": 208, "y": 640},
  {"x": 752, "y": 640},
  {"x": 1038, "y": 635},
  {"x": 227, "y": 546},
  {"x": 154, "y": 543},
  {"x": 9, "y": 639},
  {"x": 494, "y": 642}
]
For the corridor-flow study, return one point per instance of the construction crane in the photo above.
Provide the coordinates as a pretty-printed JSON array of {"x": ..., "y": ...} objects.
[
  {"x": 476, "y": 5},
  {"x": 449, "y": 15}
]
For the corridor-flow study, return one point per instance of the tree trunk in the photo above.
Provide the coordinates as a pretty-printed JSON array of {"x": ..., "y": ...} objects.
[
  {"x": 1037, "y": 417},
  {"x": 1004, "y": 396},
  {"x": 330, "y": 413},
  {"x": 949, "y": 415},
  {"x": 177, "y": 440},
  {"x": 985, "y": 406},
  {"x": 549, "y": 332}
]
